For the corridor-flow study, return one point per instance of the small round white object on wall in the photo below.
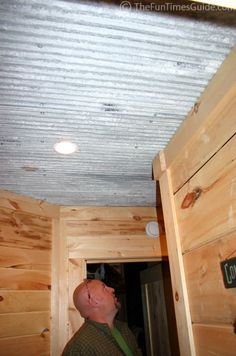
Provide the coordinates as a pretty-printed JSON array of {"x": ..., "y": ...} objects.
[{"x": 152, "y": 229}]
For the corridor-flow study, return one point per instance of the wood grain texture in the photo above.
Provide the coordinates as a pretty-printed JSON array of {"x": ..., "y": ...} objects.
[
  {"x": 19, "y": 324},
  {"x": 93, "y": 238},
  {"x": 117, "y": 247},
  {"x": 25, "y": 274},
  {"x": 217, "y": 340},
  {"x": 77, "y": 272},
  {"x": 105, "y": 228},
  {"x": 88, "y": 213},
  {"x": 159, "y": 165},
  {"x": 214, "y": 212},
  {"x": 63, "y": 289},
  {"x": 210, "y": 302},
  {"x": 15, "y": 301},
  {"x": 21, "y": 279},
  {"x": 25, "y": 258},
  {"x": 206, "y": 142},
  {"x": 24, "y": 230},
  {"x": 55, "y": 278},
  {"x": 30, "y": 345},
  {"x": 180, "y": 297},
  {"x": 201, "y": 218},
  {"x": 29, "y": 205},
  {"x": 209, "y": 124}
]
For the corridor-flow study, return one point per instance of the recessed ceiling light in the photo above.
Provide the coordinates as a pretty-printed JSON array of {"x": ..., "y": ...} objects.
[{"x": 65, "y": 147}]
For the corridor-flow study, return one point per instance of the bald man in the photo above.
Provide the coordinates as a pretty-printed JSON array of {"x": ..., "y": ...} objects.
[{"x": 101, "y": 334}]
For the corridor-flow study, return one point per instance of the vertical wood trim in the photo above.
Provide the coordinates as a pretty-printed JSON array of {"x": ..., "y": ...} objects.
[
  {"x": 55, "y": 288},
  {"x": 63, "y": 290},
  {"x": 77, "y": 273},
  {"x": 181, "y": 303},
  {"x": 159, "y": 165}
]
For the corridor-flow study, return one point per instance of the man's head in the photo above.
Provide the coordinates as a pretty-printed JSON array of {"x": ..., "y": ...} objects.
[{"x": 96, "y": 301}]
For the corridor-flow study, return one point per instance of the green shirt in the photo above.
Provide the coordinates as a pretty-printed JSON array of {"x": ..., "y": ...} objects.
[
  {"x": 121, "y": 342},
  {"x": 95, "y": 339}
]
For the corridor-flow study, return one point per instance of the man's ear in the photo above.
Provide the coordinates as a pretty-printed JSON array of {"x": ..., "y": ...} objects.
[{"x": 93, "y": 302}]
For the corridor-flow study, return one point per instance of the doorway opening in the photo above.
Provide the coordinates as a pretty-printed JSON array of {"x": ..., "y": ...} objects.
[{"x": 144, "y": 290}]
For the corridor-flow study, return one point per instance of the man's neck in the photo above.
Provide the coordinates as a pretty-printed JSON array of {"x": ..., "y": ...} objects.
[{"x": 103, "y": 320}]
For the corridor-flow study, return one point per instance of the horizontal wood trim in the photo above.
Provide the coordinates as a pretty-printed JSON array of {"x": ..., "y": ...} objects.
[
  {"x": 25, "y": 258},
  {"x": 107, "y": 228},
  {"x": 95, "y": 213},
  {"x": 22, "y": 203},
  {"x": 116, "y": 247},
  {"x": 12, "y": 301},
  {"x": 206, "y": 119},
  {"x": 214, "y": 213},
  {"x": 210, "y": 302},
  {"x": 26, "y": 345},
  {"x": 24, "y": 230},
  {"x": 126, "y": 259},
  {"x": 92, "y": 239},
  {"x": 11, "y": 278},
  {"x": 19, "y": 324},
  {"x": 214, "y": 340}
]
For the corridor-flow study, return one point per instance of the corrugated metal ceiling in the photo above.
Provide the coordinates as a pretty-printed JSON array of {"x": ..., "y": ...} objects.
[{"x": 116, "y": 82}]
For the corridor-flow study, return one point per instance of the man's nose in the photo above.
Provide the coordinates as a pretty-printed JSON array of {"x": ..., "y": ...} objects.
[{"x": 111, "y": 289}]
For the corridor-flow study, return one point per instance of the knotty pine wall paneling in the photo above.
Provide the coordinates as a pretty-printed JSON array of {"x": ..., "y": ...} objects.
[
  {"x": 208, "y": 236},
  {"x": 197, "y": 173},
  {"x": 25, "y": 275}
]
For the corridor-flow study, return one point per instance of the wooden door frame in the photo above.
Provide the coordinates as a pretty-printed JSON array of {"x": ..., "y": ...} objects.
[
  {"x": 75, "y": 250},
  {"x": 77, "y": 271}
]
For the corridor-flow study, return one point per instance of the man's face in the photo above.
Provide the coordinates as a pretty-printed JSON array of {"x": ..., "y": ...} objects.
[{"x": 104, "y": 295}]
